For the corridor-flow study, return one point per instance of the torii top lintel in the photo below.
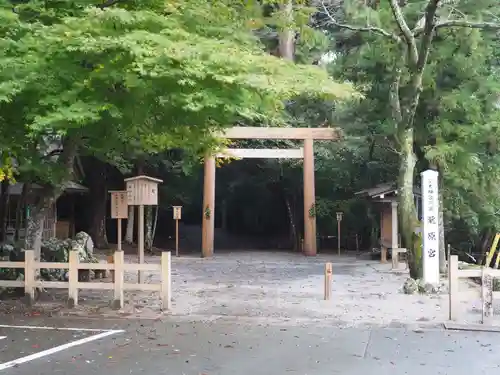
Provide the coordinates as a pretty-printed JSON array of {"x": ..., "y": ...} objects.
[{"x": 253, "y": 132}]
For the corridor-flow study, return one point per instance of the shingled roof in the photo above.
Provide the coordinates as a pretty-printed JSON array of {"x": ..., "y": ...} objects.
[{"x": 387, "y": 188}]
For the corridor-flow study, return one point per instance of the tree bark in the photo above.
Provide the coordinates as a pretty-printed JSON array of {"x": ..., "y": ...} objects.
[
  {"x": 407, "y": 211},
  {"x": 293, "y": 226},
  {"x": 4, "y": 208},
  {"x": 442, "y": 242},
  {"x": 286, "y": 38},
  {"x": 129, "y": 235},
  {"x": 21, "y": 210},
  {"x": 97, "y": 181},
  {"x": 47, "y": 197}
]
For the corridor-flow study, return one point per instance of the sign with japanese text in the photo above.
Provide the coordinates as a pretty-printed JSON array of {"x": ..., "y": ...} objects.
[
  {"x": 177, "y": 212},
  {"x": 430, "y": 226},
  {"x": 119, "y": 206}
]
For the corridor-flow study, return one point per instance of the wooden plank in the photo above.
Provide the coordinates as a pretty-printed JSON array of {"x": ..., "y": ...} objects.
[
  {"x": 11, "y": 264},
  {"x": 11, "y": 283},
  {"x": 463, "y": 274},
  {"x": 143, "y": 287},
  {"x": 141, "y": 267},
  {"x": 96, "y": 266},
  {"x": 251, "y": 132},
  {"x": 262, "y": 153},
  {"x": 52, "y": 265},
  {"x": 98, "y": 286},
  {"x": 51, "y": 284}
]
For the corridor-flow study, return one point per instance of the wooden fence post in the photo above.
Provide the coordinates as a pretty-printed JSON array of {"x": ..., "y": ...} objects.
[
  {"x": 166, "y": 281},
  {"x": 29, "y": 277},
  {"x": 328, "y": 281},
  {"x": 383, "y": 254},
  {"x": 118, "y": 300},
  {"x": 453, "y": 287},
  {"x": 73, "y": 279},
  {"x": 487, "y": 295}
]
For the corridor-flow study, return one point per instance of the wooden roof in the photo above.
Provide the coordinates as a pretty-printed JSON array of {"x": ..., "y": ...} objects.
[
  {"x": 69, "y": 187},
  {"x": 387, "y": 188}
]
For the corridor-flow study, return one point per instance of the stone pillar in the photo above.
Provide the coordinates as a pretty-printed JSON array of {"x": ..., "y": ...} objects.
[
  {"x": 208, "y": 218},
  {"x": 309, "y": 200}
]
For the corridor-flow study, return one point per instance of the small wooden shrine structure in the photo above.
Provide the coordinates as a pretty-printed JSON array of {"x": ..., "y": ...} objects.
[{"x": 386, "y": 197}]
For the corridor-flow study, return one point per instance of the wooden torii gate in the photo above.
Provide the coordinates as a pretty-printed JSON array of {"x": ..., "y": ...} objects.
[{"x": 308, "y": 135}]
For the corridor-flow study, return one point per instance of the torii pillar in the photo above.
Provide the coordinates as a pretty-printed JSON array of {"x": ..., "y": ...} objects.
[
  {"x": 310, "y": 248},
  {"x": 208, "y": 218}
]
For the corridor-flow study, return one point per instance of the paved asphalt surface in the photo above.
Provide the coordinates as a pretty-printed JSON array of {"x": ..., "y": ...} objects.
[{"x": 228, "y": 348}]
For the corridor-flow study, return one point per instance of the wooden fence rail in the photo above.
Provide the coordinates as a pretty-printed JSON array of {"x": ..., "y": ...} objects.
[
  {"x": 30, "y": 265},
  {"x": 487, "y": 276}
]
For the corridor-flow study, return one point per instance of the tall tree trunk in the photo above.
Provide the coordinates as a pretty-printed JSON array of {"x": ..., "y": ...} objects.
[
  {"x": 21, "y": 210},
  {"x": 4, "y": 208},
  {"x": 97, "y": 181},
  {"x": 148, "y": 239},
  {"x": 407, "y": 212},
  {"x": 129, "y": 234},
  {"x": 291, "y": 219},
  {"x": 286, "y": 42},
  {"x": 47, "y": 197},
  {"x": 442, "y": 242}
]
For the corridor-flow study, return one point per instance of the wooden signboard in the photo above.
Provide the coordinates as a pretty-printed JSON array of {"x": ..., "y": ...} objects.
[
  {"x": 177, "y": 217},
  {"x": 142, "y": 191},
  {"x": 119, "y": 206},
  {"x": 177, "y": 212}
]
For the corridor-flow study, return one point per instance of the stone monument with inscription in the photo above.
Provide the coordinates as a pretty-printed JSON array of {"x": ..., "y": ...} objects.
[{"x": 430, "y": 227}]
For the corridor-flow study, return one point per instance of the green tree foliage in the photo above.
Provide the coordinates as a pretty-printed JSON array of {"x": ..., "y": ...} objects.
[
  {"x": 102, "y": 77},
  {"x": 430, "y": 90}
]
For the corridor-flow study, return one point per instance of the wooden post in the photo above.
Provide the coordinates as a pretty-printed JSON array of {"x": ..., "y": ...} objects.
[
  {"x": 338, "y": 236},
  {"x": 328, "y": 281},
  {"x": 166, "y": 281},
  {"x": 118, "y": 280},
  {"x": 73, "y": 279},
  {"x": 383, "y": 254},
  {"x": 208, "y": 218},
  {"x": 487, "y": 295},
  {"x": 453, "y": 287},
  {"x": 309, "y": 199},
  {"x": 29, "y": 276},
  {"x": 394, "y": 233},
  {"x": 176, "y": 238},
  {"x": 119, "y": 233},
  {"x": 140, "y": 240}
]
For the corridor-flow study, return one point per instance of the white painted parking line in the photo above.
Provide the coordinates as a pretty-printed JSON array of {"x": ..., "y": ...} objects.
[
  {"x": 3, "y": 337},
  {"x": 60, "y": 328},
  {"x": 103, "y": 333}
]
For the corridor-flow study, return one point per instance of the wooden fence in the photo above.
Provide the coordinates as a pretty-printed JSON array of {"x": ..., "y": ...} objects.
[
  {"x": 30, "y": 265},
  {"x": 486, "y": 274}
]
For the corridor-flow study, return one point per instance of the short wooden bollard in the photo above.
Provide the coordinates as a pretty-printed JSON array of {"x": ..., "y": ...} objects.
[
  {"x": 383, "y": 255},
  {"x": 328, "y": 281},
  {"x": 166, "y": 281}
]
